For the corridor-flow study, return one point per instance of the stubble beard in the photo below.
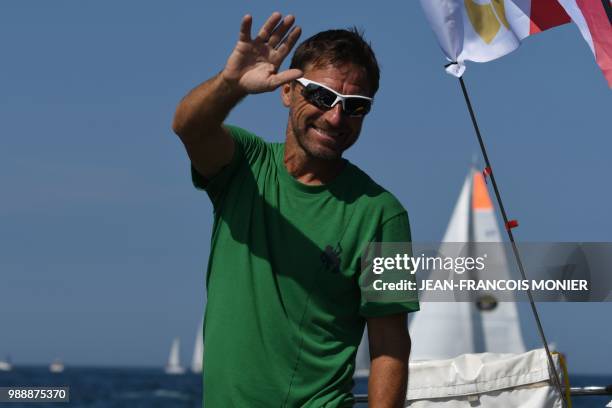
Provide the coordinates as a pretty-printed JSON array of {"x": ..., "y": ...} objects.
[{"x": 302, "y": 140}]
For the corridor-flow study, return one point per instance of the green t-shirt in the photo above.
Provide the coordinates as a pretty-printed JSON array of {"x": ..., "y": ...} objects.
[{"x": 285, "y": 314}]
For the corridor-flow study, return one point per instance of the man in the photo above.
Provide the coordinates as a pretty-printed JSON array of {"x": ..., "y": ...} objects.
[{"x": 285, "y": 313}]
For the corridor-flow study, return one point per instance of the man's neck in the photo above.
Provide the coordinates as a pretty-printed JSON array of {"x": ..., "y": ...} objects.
[{"x": 307, "y": 169}]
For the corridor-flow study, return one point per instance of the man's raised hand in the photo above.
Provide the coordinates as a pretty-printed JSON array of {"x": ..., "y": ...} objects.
[{"x": 253, "y": 65}]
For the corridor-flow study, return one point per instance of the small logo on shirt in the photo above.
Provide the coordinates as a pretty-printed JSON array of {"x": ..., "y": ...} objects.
[{"x": 331, "y": 258}]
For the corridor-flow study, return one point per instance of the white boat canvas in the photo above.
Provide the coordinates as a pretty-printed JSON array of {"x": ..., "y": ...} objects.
[{"x": 491, "y": 380}]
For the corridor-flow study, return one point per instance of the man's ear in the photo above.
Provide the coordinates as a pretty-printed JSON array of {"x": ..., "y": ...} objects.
[{"x": 286, "y": 94}]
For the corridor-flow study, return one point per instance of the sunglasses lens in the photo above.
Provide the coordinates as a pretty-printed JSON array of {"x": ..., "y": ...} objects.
[
  {"x": 319, "y": 96},
  {"x": 357, "y": 106}
]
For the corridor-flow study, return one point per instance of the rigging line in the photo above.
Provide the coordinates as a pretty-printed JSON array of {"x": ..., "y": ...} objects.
[{"x": 517, "y": 256}]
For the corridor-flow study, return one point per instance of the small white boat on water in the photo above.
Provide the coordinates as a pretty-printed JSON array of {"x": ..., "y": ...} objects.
[
  {"x": 5, "y": 365},
  {"x": 56, "y": 366},
  {"x": 174, "y": 365}
]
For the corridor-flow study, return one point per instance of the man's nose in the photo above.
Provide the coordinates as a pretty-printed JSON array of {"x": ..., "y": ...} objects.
[{"x": 334, "y": 115}]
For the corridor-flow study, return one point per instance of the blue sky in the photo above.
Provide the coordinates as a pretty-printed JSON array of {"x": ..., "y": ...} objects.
[{"x": 103, "y": 240}]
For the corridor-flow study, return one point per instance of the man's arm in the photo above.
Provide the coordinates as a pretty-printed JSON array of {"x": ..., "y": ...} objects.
[
  {"x": 251, "y": 68},
  {"x": 389, "y": 351}
]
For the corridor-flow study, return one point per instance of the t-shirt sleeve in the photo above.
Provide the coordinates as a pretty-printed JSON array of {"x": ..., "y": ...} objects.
[
  {"x": 391, "y": 238},
  {"x": 247, "y": 148}
]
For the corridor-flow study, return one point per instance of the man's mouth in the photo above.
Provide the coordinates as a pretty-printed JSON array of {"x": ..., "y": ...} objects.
[{"x": 327, "y": 133}]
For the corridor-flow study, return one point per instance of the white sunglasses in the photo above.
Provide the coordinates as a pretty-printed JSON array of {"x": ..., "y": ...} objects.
[{"x": 326, "y": 98}]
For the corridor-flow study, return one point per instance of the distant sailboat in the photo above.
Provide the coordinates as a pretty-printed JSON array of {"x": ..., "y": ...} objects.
[
  {"x": 5, "y": 365},
  {"x": 198, "y": 351},
  {"x": 174, "y": 365},
  {"x": 56, "y": 366}
]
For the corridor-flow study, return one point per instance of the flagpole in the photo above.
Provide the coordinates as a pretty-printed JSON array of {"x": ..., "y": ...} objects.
[{"x": 509, "y": 225}]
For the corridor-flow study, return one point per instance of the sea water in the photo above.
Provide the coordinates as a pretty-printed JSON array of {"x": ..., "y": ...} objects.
[{"x": 151, "y": 388}]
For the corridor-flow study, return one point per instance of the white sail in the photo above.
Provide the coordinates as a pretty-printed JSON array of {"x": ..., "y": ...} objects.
[
  {"x": 174, "y": 365},
  {"x": 458, "y": 227},
  {"x": 198, "y": 351},
  {"x": 362, "y": 360},
  {"x": 461, "y": 327},
  {"x": 449, "y": 323}
]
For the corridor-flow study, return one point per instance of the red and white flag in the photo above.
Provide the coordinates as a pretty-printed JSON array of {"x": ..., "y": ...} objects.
[
  {"x": 594, "y": 19},
  {"x": 483, "y": 30}
]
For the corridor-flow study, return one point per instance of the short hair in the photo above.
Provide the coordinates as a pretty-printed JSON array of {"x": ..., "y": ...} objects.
[{"x": 337, "y": 47}]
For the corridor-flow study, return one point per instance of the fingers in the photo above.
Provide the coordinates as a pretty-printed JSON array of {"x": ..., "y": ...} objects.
[
  {"x": 284, "y": 77},
  {"x": 288, "y": 42},
  {"x": 280, "y": 31},
  {"x": 268, "y": 27},
  {"x": 245, "y": 28}
]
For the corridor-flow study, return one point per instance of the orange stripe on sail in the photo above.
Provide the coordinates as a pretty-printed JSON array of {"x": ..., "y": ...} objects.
[{"x": 480, "y": 195}]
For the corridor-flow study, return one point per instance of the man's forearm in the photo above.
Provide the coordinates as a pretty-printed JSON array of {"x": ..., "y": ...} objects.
[
  {"x": 389, "y": 352},
  {"x": 205, "y": 108},
  {"x": 388, "y": 382}
]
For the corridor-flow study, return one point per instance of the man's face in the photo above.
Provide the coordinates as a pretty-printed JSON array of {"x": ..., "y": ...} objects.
[{"x": 325, "y": 134}]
